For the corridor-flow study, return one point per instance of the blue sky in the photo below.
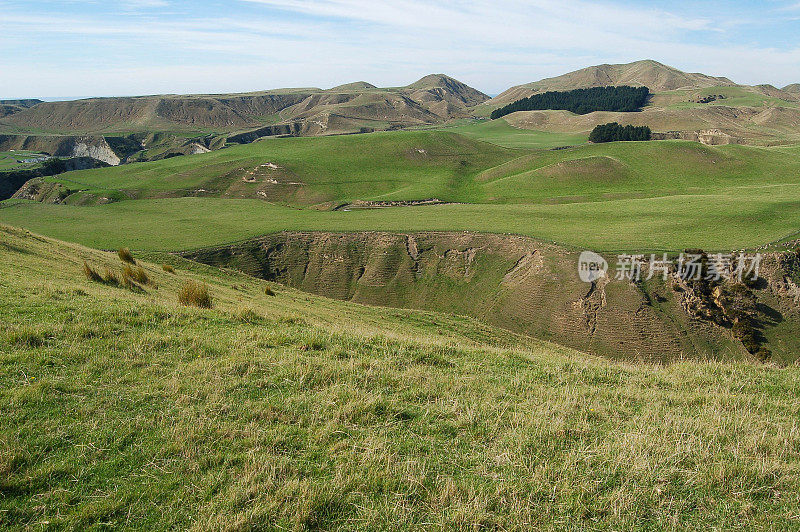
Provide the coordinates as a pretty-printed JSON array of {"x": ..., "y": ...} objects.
[{"x": 126, "y": 47}]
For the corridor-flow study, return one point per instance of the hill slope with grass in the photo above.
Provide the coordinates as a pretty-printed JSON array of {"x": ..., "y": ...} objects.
[
  {"x": 720, "y": 124},
  {"x": 324, "y": 172},
  {"x": 126, "y": 409},
  {"x": 533, "y": 288}
]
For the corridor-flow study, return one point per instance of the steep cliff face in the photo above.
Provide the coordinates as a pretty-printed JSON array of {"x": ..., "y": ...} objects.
[
  {"x": 92, "y": 147},
  {"x": 510, "y": 281},
  {"x": 71, "y": 147}
]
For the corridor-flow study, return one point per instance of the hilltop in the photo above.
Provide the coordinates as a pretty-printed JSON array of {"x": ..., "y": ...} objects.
[
  {"x": 10, "y": 107},
  {"x": 648, "y": 73}
]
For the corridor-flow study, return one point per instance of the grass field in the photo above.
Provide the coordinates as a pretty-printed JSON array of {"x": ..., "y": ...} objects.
[
  {"x": 750, "y": 217},
  {"x": 734, "y": 97},
  {"x": 407, "y": 165},
  {"x": 501, "y": 133},
  {"x": 124, "y": 409},
  {"x": 620, "y": 196}
]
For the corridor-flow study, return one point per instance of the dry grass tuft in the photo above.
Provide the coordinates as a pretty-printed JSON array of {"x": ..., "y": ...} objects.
[
  {"x": 195, "y": 294},
  {"x": 126, "y": 256},
  {"x": 167, "y": 268},
  {"x": 109, "y": 277},
  {"x": 248, "y": 315},
  {"x": 91, "y": 273},
  {"x": 137, "y": 274}
]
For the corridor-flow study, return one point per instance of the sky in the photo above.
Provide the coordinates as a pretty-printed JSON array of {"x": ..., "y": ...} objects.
[{"x": 81, "y": 48}]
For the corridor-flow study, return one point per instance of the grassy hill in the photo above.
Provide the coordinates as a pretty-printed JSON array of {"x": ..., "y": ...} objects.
[
  {"x": 502, "y": 133},
  {"x": 124, "y": 409},
  {"x": 324, "y": 171},
  {"x": 525, "y": 285},
  {"x": 657, "y": 76},
  {"x": 683, "y": 105},
  {"x": 609, "y": 196}
]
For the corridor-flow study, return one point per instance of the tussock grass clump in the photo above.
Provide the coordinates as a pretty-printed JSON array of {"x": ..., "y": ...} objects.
[
  {"x": 91, "y": 273},
  {"x": 196, "y": 295},
  {"x": 126, "y": 256},
  {"x": 167, "y": 268},
  {"x": 130, "y": 284},
  {"x": 109, "y": 277},
  {"x": 269, "y": 291},
  {"x": 137, "y": 274},
  {"x": 248, "y": 315},
  {"x": 26, "y": 337}
]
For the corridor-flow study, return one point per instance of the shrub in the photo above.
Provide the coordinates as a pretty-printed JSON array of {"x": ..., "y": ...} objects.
[
  {"x": 268, "y": 291},
  {"x": 129, "y": 283},
  {"x": 763, "y": 354},
  {"x": 167, "y": 268},
  {"x": 126, "y": 256},
  {"x": 195, "y": 294},
  {"x": 91, "y": 273}
]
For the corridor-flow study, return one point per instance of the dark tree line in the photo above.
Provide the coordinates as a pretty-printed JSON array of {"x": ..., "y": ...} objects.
[
  {"x": 581, "y": 101},
  {"x": 614, "y": 132}
]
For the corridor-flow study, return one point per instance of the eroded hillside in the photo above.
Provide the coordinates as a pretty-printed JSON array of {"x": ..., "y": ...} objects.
[{"x": 519, "y": 284}]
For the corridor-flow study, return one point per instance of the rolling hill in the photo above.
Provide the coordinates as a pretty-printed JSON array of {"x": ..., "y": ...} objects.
[
  {"x": 346, "y": 108},
  {"x": 698, "y": 107},
  {"x": 710, "y": 124},
  {"x": 652, "y": 74}
]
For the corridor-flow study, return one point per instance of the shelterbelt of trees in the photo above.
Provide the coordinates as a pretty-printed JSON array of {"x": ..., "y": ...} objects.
[
  {"x": 581, "y": 101},
  {"x": 614, "y": 132}
]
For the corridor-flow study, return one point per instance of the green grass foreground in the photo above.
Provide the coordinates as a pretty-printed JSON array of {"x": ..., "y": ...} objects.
[{"x": 292, "y": 412}]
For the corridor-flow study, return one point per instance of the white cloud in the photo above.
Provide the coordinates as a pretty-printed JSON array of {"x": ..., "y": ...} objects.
[{"x": 171, "y": 48}]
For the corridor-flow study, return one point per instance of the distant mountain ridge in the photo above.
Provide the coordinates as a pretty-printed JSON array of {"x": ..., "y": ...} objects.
[
  {"x": 343, "y": 109},
  {"x": 10, "y": 107}
]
